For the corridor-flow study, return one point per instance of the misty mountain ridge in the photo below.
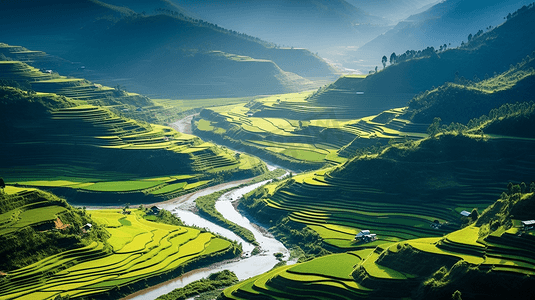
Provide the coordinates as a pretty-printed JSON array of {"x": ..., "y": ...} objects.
[
  {"x": 116, "y": 43},
  {"x": 448, "y": 22}
]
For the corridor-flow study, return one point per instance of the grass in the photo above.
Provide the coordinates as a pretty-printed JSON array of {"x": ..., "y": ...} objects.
[{"x": 121, "y": 186}]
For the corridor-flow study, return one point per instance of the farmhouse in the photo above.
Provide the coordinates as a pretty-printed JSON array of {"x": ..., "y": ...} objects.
[
  {"x": 528, "y": 225},
  {"x": 465, "y": 213},
  {"x": 86, "y": 227},
  {"x": 365, "y": 236}
]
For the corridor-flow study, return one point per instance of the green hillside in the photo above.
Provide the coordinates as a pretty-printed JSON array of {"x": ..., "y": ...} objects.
[
  {"x": 489, "y": 52},
  {"x": 490, "y": 258},
  {"x": 400, "y": 192},
  {"x": 277, "y": 128},
  {"x": 485, "y": 56},
  {"x": 49, "y": 251},
  {"x": 33, "y": 227},
  {"x": 449, "y": 101},
  {"x": 78, "y": 148}
]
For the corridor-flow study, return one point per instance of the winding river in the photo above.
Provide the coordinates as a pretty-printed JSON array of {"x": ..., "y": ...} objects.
[{"x": 247, "y": 265}]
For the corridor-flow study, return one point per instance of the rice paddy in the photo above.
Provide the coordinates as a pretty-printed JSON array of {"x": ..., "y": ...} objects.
[
  {"x": 91, "y": 148},
  {"x": 389, "y": 271},
  {"x": 312, "y": 141},
  {"x": 137, "y": 249},
  {"x": 339, "y": 202}
]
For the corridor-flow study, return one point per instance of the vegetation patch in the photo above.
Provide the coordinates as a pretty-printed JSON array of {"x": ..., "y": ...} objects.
[{"x": 214, "y": 281}]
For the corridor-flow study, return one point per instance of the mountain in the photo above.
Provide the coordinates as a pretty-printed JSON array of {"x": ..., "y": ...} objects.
[
  {"x": 53, "y": 25},
  {"x": 318, "y": 25},
  {"x": 487, "y": 53},
  {"x": 448, "y": 22},
  {"x": 393, "y": 10},
  {"x": 148, "y": 7},
  {"x": 485, "y": 56},
  {"x": 181, "y": 56}
]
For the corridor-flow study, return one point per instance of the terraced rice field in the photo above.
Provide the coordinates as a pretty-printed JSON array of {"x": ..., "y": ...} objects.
[
  {"x": 17, "y": 213},
  {"x": 370, "y": 273},
  {"x": 321, "y": 278},
  {"x": 92, "y": 127},
  {"x": 74, "y": 147},
  {"x": 139, "y": 249},
  {"x": 337, "y": 204},
  {"x": 324, "y": 140}
]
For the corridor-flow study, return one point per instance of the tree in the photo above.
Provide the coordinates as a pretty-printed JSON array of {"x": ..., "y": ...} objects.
[
  {"x": 456, "y": 295},
  {"x": 393, "y": 58},
  {"x": 532, "y": 187},
  {"x": 523, "y": 188},
  {"x": 126, "y": 206},
  {"x": 384, "y": 60},
  {"x": 474, "y": 214},
  {"x": 2, "y": 183},
  {"x": 469, "y": 37},
  {"x": 434, "y": 128},
  {"x": 516, "y": 189},
  {"x": 509, "y": 187},
  {"x": 375, "y": 69}
]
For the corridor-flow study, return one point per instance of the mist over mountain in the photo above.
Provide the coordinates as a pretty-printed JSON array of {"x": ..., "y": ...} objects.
[
  {"x": 318, "y": 25},
  {"x": 164, "y": 54},
  {"x": 150, "y": 6},
  {"x": 394, "y": 10},
  {"x": 448, "y": 22}
]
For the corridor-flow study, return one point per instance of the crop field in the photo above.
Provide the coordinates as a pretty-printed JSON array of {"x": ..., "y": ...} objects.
[
  {"x": 375, "y": 271},
  {"x": 322, "y": 139},
  {"x": 320, "y": 278},
  {"x": 159, "y": 111},
  {"x": 73, "y": 147},
  {"x": 338, "y": 203},
  {"x": 139, "y": 249},
  {"x": 29, "y": 214}
]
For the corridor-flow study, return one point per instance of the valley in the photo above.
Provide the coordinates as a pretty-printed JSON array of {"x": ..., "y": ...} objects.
[{"x": 164, "y": 150}]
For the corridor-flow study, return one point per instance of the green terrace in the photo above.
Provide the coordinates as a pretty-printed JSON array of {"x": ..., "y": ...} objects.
[
  {"x": 302, "y": 143},
  {"x": 321, "y": 278},
  {"x": 88, "y": 148},
  {"x": 394, "y": 270},
  {"x": 339, "y": 202},
  {"x": 136, "y": 249}
]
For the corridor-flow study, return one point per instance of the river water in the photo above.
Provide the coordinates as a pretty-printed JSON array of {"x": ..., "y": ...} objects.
[{"x": 247, "y": 265}]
